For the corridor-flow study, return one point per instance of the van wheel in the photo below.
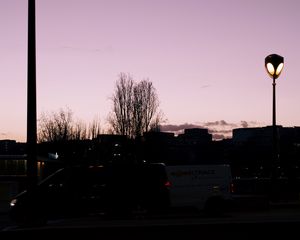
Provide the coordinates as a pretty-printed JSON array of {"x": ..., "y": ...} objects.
[{"x": 214, "y": 206}]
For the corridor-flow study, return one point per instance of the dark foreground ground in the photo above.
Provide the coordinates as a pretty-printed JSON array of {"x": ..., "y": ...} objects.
[
  {"x": 279, "y": 220},
  {"x": 269, "y": 230}
]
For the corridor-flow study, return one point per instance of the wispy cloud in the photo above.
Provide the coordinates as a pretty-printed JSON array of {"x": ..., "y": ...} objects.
[
  {"x": 178, "y": 128},
  {"x": 221, "y": 123},
  {"x": 217, "y": 136},
  {"x": 3, "y": 135},
  {"x": 219, "y": 129},
  {"x": 205, "y": 86},
  {"x": 224, "y": 131},
  {"x": 107, "y": 49}
]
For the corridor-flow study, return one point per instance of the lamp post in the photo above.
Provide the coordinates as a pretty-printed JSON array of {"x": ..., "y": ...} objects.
[{"x": 274, "y": 66}]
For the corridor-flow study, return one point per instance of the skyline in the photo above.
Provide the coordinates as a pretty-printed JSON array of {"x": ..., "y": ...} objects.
[{"x": 205, "y": 59}]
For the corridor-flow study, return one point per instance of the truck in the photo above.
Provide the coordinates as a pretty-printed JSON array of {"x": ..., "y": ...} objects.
[{"x": 205, "y": 187}]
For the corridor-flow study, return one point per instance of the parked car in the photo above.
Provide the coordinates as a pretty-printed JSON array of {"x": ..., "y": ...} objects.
[{"x": 81, "y": 190}]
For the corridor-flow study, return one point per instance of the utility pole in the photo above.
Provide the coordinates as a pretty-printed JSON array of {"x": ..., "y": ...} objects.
[{"x": 31, "y": 100}]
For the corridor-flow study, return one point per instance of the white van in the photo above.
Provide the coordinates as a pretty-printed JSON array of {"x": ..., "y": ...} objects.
[{"x": 206, "y": 187}]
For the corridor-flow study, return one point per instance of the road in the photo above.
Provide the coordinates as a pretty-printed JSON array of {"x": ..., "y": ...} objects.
[{"x": 266, "y": 223}]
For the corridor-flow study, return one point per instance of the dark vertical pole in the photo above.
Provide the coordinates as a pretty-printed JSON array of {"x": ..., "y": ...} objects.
[
  {"x": 274, "y": 103},
  {"x": 275, "y": 132},
  {"x": 275, "y": 170},
  {"x": 31, "y": 99}
]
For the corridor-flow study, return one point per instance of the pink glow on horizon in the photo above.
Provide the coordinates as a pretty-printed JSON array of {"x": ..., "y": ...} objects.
[{"x": 205, "y": 58}]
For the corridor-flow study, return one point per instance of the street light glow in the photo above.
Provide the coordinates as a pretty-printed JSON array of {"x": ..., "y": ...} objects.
[
  {"x": 279, "y": 69},
  {"x": 270, "y": 69},
  {"x": 274, "y": 65}
]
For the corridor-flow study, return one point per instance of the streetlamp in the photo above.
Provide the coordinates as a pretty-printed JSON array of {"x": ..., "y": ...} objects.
[{"x": 274, "y": 66}]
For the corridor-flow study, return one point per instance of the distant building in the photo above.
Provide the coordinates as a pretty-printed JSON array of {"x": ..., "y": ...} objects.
[
  {"x": 160, "y": 137},
  {"x": 260, "y": 136},
  {"x": 195, "y": 136},
  {"x": 251, "y": 153},
  {"x": 194, "y": 146},
  {"x": 111, "y": 138},
  {"x": 110, "y": 148},
  {"x": 263, "y": 136},
  {"x": 11, "y": 147}
]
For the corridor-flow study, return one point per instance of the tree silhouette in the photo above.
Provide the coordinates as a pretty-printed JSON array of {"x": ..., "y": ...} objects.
[
  {"x": 135, "y": 107},
  {"x": 94, "y": 128},
  {"x": 60, "y": 126}
]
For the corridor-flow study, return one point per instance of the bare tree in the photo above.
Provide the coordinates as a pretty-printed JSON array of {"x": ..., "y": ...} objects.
[
  {"x": 135, "y": 107},
  {"x": 60, "y": 126},
  {"x": 145, "y": 105},
  {"x": 94, "y": 128},
  {"x": 155, "y": 125},
  {"x": 79, "y": 131},
  {"x": 121, "y": 119}
]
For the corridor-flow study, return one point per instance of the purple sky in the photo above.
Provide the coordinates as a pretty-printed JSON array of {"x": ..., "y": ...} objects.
[{"x": 205, "y": 58}]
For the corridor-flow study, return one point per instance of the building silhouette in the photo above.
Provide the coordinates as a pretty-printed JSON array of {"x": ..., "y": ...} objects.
[{"x": 251, "y": 151}]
